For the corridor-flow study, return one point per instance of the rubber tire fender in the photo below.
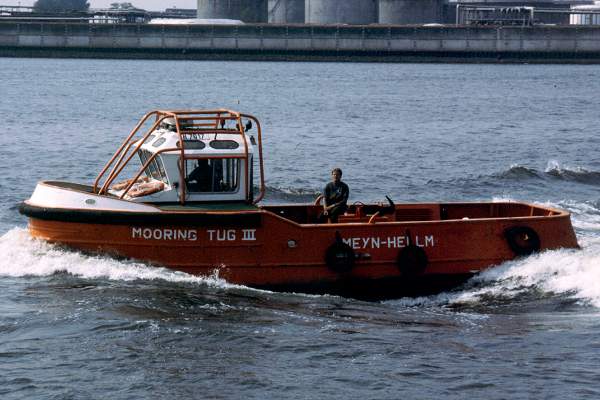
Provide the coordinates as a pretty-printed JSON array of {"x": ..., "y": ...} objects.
[
  {"x": 340, "y": 257},
  {"x": 522, "y": 240},
  {"x": 412, "y": 260}
]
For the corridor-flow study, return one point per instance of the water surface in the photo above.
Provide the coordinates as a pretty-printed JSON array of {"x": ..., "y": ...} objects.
[{"x": 78, "y": 326}]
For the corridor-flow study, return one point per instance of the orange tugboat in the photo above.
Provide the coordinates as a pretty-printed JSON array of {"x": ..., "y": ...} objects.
[{"x": 190, "y": 205}]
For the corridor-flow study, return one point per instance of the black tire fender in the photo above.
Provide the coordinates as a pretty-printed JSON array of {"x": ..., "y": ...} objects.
[
  {"x": 340, "y": 257},
  {"x": 412, "y": 260},
  {"x": 522, "y": 240}
]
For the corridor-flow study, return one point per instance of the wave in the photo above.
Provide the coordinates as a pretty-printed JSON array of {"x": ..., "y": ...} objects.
[
  {"x": 568, "y": 276},
  {"x": 553, "y": 170},
  {"x": 510, "y": 180},
  {"x": 519, "y": 172},
  {"x": 576, "y": 174},
  {"x": 23, "y": 256},
  {"x": 291, "y": 194},
  {"x": 564, "y": 277},
  {"x": 517, "y": 179}
]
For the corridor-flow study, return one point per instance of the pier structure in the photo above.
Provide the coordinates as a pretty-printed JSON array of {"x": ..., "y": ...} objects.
[
  {"x": 339, "y": 30},
  {"x": 303, "y": 42}
]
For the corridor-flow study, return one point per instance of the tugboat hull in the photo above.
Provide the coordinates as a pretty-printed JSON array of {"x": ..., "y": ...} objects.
[{"x": 282, "y": 248}]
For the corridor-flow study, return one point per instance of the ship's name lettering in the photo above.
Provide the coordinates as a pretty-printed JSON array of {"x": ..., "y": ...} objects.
[
  {"x": 389, "y": 242},
  {"x": 164, "y": 234},
  {"x": 216, "y": 235},
  {"x": 230, "y": 235}
]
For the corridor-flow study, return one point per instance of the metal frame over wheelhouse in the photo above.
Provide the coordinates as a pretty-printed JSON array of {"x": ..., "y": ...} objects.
[{"x": 187, "y": 124}]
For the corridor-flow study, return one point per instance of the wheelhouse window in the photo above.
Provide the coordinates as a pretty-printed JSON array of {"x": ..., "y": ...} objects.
[
  {"x": 192, "y": 145},
  {"x": 156, "y": 168},
  {"x": 212, "y": 175}
]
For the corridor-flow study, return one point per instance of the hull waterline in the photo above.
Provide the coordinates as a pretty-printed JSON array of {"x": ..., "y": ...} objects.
[{"x": 269, "y": 248}]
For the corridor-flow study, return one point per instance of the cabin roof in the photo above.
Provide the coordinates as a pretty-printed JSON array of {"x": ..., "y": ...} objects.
[{"x": 200, "y": 144}]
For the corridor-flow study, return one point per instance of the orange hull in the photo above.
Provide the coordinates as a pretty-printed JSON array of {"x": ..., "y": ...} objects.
[{"x": 277, "y": 247}]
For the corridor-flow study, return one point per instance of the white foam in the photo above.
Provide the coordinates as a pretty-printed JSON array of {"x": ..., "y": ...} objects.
[
  {"x": 25, "y": 256},
  {"x": 583, "y": 215},
  {"x": 573, "y": 273},
  {"x": 552, "y": 165},
  {"x": 503, "y": 199},
  {"x": 555, "y": 166}
]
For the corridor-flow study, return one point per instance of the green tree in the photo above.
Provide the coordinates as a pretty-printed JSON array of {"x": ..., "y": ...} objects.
[{"x": 61, "y": 5}]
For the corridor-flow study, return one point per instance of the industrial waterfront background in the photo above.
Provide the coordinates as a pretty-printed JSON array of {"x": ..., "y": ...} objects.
[
  {"x": 302, "y": 42},
  {"x": 314, "y": 30},
  {"x": 77, "y": 326}
]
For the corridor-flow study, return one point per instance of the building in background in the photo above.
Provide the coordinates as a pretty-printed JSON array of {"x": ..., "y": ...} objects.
[
  {"x": 403, "y": 12},
  {"x": 345, "y": 12},
  {"x": 352, "y": 12},
  {"x": 586, "y": 14},
  {"x": 286, "y": 11},
  {"x": 244, "y": 10}
]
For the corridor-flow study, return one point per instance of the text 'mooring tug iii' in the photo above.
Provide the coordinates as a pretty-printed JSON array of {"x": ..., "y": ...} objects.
[{"x": 190, "y": 206}]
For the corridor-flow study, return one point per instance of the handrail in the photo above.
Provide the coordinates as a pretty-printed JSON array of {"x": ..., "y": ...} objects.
[
  {"x": 184, "y": 119},
  {"x": 246, "y": 166},
  {"x": 131, "y": 134},
  {"x": 123, "y": 154},
  {"x": 217, "y": 117},
  {"x": 118, "y": 168},
  {"x": 199, "y": 112},
  {"x": 210, "y": 131},
  {"x": 260, "y": 159},
  {"x": 142, "y": 169},
  {"x": 183, "y": 166}
]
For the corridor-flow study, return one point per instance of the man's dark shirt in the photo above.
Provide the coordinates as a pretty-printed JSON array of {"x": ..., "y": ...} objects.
[
  {"x": 336, "y": 192},
  {"x": 202, "y": 175}
]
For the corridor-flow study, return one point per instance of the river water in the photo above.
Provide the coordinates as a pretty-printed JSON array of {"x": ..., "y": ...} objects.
[{"x": 75, "y": 326}]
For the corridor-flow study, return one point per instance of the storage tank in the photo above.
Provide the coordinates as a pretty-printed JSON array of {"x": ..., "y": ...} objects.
[
  {"x": 583, "y": 18},
  {"x": 400, "y": 12},
  {"x": 286, "y": 11},
  {"x": 244, "y": 10},
  {"x": 356, "y": 12}
]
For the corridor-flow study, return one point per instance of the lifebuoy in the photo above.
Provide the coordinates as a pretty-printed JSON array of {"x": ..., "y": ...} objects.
[
  {"x": 339, "y": 257},
  {"x": 522, "y": 240},
  {"x": 144, "y": 189},
  {"x": 412, "y": 260}
]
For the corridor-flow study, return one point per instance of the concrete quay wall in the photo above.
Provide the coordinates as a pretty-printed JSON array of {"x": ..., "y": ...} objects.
[{"x": 303, "y": 42}]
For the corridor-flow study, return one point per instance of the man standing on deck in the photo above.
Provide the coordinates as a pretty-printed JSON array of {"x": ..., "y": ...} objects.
[{"x": 336, "y": 196}]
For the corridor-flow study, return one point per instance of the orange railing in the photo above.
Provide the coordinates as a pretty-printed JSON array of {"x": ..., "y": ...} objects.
[{"x": 200, "y": 122}]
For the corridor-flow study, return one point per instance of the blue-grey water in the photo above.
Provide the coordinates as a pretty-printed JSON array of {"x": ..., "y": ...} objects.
[{"x": 74, "y": 326}]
